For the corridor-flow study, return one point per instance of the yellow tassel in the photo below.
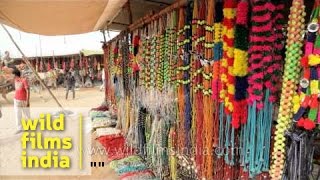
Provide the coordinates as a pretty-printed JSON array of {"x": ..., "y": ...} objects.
[
  {"x": 313, "y": 60},
  {"x": 314, "y": 87},
  {"x": 296, "y": 103}
]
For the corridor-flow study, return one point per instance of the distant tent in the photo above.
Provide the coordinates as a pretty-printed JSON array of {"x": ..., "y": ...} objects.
[{"x": 86, "y": 52}]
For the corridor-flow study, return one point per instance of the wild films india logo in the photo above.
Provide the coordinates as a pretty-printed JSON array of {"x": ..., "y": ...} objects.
[{"x": 33, "y": 137}]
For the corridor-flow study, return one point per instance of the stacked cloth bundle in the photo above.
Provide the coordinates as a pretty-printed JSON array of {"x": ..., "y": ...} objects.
[{"x": 101, "y": 117}]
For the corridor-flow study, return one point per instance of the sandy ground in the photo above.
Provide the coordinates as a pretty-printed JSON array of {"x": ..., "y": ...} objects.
[{"x": 85, "y": 98}]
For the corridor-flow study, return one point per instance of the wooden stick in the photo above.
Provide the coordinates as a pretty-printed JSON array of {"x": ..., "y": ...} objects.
[
  {"x": 173, "y": 6},
  {"x": 30, "y": 66}
]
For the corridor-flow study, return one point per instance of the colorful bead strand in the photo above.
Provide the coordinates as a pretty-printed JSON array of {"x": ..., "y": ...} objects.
[{"x": 293, "y": 55}]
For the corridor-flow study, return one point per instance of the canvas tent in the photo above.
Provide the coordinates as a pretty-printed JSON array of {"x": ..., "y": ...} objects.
[{"x": 57, "y": 17}]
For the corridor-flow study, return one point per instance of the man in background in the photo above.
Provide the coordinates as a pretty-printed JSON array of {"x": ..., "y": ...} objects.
[
  {"x": 71, "y": 83},
  {"x": 7, "y": 61},
  {"x": 21, "y": 98},
  {"x": 103, "y": 80}
]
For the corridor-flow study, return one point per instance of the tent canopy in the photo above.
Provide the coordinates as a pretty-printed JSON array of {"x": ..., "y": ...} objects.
[
  {"x": 58, "y": 17},
  {"x": 87, "y": 52}
]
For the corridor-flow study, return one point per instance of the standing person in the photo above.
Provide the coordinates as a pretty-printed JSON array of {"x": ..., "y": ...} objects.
[
  {"x": 103, "y": 80},
  {"x": 71, "y": 82},
  {"x": 21, "y": 98}
]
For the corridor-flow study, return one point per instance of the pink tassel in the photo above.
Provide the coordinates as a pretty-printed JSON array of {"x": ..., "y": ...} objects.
[{"x": 308, "y": 48}]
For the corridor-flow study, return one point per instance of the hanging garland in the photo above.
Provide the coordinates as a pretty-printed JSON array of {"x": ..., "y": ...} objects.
[
  {"x": 216, "y": 87},
  {"x": 240, "y": 64}
]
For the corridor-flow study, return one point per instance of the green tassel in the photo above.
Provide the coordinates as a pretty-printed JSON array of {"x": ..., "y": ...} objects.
[{"x": 312, "y": 114}]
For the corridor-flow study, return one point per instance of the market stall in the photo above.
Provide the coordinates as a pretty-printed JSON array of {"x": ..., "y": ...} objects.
[{"x": 219, "y": 89}]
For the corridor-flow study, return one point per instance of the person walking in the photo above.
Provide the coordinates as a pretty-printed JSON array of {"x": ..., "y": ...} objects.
[
  {"x": 71, "y": 83},
  {"x": 21, "y": 99},
  {"x": 103, "y": 80}
]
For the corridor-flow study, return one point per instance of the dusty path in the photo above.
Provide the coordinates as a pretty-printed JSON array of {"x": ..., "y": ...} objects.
[{"x": 85, "y": 98}]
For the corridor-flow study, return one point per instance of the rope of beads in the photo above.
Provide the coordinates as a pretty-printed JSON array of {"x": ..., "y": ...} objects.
[
  {"x": 153, "y": 52},
  {"x": 143, "y": 62},
  {"x": 293, "y": 55},
  {"x": 305, "y": 107},
  {"x": 148, "y": 58},
  {"x": 186, "y": 75},
  {"x": 166, "y": 55},
  {"x": 180, "y": 82},
  {"x": 159, "y": 55},
  {"x": 207, "y": 101},
  {"x": 198, "y": 48}
]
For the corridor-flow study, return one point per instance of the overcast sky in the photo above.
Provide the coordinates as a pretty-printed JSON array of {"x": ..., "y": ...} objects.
[{"x": 37, "y": 45}]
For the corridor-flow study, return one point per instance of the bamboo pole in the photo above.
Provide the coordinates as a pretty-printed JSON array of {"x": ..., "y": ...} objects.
[
  {"x": 30, "y": 66},
  {"x": 147, "y": 19}
]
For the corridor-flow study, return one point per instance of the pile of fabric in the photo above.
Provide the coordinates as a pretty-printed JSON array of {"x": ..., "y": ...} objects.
[{"x": 101, "y": 117}]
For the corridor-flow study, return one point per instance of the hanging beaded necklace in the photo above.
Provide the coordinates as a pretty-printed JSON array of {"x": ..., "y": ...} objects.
[
  {"x": 165, "y": 53},
  {"x": 173, "y": 47},
  {"x": 148, "y": 57},
  {"x": 207, "y": 101},
  {"x": 173, "y": 50},
  {"x": 153, "y": 55},
  {"x": 198, "y": 48},
  {"x": 179, "y": 82},
  {"x": 186, "y": 75},
  {"x": 159, "y": 55}
]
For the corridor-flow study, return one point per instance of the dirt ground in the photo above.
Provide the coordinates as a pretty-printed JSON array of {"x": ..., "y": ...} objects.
[{"x": 85, "y": 98}]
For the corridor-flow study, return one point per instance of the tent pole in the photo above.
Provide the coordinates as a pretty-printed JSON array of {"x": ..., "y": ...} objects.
[{"x": 30, "y": 66}]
